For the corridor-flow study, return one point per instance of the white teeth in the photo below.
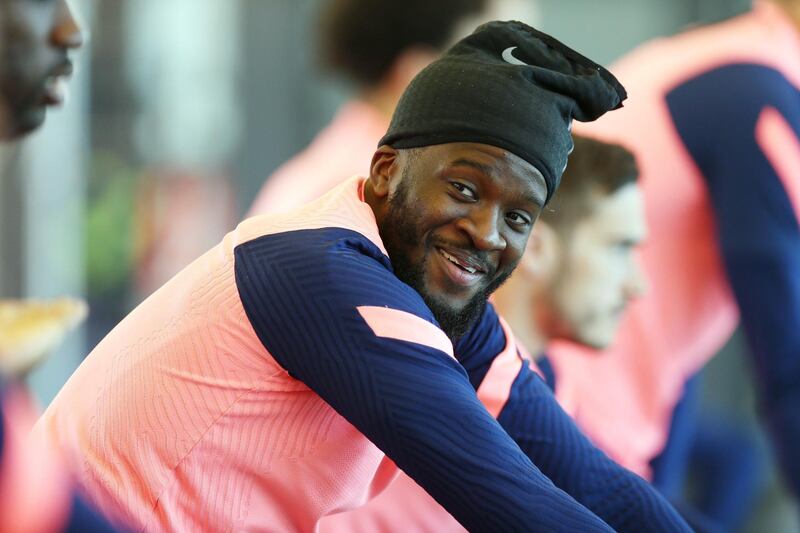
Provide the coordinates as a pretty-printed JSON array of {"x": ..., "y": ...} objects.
[{"x": 452, "y": 259}]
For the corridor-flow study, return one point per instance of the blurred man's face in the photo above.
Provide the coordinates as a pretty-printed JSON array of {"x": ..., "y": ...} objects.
[
  {"x": 599, "y": 274},
  {"x": 456, "y": 224},
  {"x": 35, "y": 36}
]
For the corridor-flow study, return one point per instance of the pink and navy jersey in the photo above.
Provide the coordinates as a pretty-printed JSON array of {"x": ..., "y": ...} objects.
[
  {"x": 514, "y": 392},
  {"x": 277, "y": 378},
  {"x": 713, "y": 118}
]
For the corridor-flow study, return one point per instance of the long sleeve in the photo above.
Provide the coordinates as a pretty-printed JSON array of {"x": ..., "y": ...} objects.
[
  {"x": 531, "y": 415},
  {"x": 327, "y": 307},
  {"x": 671, "y": 466},
  {"x": 740, "y": 124}
]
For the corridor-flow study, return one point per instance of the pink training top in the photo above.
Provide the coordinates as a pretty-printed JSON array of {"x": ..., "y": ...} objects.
[
  {"x": 179, "y": 420},
  {"x": 343, "y": 149},
  {"x": 243, "y": 394},
  {"x": 628, "y": 393},
  {"x": 337, "y": 152}
]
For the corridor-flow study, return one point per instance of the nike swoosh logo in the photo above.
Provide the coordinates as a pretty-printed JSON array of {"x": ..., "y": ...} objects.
[{"x": 508, "y": 57}]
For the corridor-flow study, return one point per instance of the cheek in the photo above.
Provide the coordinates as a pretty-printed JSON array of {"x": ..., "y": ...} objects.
[{"x": 589, "y": 284}]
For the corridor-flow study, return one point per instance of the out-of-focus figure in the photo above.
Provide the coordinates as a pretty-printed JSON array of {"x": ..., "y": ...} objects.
[
  {"x": 576, "y": 277},
  {"x": 713, "y": 119},
  {"x": 35, "y": 38},
  {"x": 379, "y": 46},
  {"x": 35, "y": 494},
  {"x": 33, "y": 61}
]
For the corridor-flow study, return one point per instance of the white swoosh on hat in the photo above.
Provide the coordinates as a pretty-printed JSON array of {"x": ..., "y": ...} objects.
[{"x": 508, "y": 57}]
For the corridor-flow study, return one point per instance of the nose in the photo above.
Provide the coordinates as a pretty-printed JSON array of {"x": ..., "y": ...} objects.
[
  {"x": 483, "y": 228},
  {"x": 66, "y": 33},
  {"x": 636, "y": 285}
]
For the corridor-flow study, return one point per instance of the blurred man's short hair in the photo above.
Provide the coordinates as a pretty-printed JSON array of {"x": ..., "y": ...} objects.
[
  {"x": 595, "y": 169},
  {"x": 362, "y": 38}
]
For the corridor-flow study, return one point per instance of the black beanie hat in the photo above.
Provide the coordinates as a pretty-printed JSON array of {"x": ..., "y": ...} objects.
[{"x": 506, "y": 85}]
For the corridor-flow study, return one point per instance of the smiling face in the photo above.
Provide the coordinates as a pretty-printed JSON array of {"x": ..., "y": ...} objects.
[
  {"x": 455, "y": 219},
  {"x": 35, "y": 36}
]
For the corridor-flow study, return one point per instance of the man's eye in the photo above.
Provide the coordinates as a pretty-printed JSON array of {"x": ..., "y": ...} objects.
[
  {"x": 518, "y": 219},
  {"x": 464, "y": 190}
]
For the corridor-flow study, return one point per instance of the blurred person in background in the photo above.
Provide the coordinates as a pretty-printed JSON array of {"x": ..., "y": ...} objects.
[
  {"x": 713, "y": 118},
  {"x": 34, "y": 62},
  {"x": 577, "y": 275},
  {"x": 254, "y": 381},
  {"x": 379, "y": 46},
  {"x": 35, "y": 497}
]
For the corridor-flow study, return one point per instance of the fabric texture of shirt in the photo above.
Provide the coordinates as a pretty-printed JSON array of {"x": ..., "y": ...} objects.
[
  {"x": 513, "y": 390},
  {"x": 713, "y": 119}
]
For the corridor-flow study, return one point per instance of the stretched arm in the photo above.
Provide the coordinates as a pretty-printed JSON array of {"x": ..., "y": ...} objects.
[
  {"x": 740, "y": 123},
  {"x": 529, "y": 413},
  {"x": 329, "y": 310}
]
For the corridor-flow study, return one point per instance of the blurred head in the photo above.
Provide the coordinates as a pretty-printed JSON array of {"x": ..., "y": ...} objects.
[
  {"x": 367, "y": 39},
  {"x": 455, "y": 219},
  {"x": 35, "y": 36},
  {"x": 580, "y": 266}
]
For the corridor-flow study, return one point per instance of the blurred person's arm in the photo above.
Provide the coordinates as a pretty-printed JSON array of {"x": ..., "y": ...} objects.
[
  {"x": 35, "y": 494},
  {"x": 528, "y": 411},
  {"x": 740, "y": 124}
]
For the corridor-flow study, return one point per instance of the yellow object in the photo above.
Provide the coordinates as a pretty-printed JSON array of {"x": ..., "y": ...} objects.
[{"x": 31, "y": 329}]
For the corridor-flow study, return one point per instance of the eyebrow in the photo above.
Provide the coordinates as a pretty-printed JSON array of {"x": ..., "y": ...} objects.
[{"x": 488, "y": 170}]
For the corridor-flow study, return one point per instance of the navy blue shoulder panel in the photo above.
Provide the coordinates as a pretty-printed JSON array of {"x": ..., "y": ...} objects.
[
  {"x": 547, "y": 370},
  {"x": 715, "y": 115},
  {"x": 538, "y": 424},
  {"x": 301, "y": 291},
  {"x": 477, "y": 349}
]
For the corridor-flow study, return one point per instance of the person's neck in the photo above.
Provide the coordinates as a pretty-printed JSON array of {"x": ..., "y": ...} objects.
[{"x": 517, "y": 304}]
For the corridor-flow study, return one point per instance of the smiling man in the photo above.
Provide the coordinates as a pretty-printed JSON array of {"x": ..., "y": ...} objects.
[
  {"x": 269, "y": 383},
  {"x": 574, "y": 279},
  {"x": 454, "y": 260}
]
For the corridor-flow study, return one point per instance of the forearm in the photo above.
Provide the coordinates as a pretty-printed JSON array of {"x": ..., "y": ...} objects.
[{"x": 555, "y": 445}]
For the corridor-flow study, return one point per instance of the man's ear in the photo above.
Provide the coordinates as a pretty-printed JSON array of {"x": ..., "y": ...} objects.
[
  {"x": 542, "y": 255},
  {"x": 382, "y": 170}
]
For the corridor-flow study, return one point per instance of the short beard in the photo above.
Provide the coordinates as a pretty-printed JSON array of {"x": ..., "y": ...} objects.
[{"x": 400, "y": 229}]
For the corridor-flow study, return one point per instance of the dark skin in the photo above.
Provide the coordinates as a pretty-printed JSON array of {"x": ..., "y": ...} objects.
[
  {"x": 35, "y": 37},
  {"x": 455, "y": 219}
]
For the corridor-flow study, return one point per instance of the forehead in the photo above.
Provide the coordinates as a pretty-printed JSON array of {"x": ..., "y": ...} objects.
[
  {"x": 619, "y": 214},
  {"x": 508, "y": 170}
]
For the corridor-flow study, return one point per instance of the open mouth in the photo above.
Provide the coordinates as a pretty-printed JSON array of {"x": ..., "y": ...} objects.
[
  {"x": 460, "y": 263},
  {"x": 55, "y": 86},
  {"x": 461, "y": 269}
]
